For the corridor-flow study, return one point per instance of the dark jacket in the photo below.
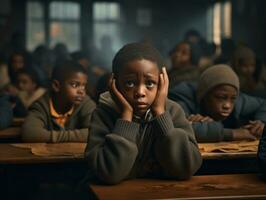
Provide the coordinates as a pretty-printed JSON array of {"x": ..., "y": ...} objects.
[
  {"x": 164, "y": 146},
  {"x": 39, "y": 126},
  {"x": 6, "y": 112},
  {"x": 262, "y": 153},
  {"x": 246, "y": 108}
]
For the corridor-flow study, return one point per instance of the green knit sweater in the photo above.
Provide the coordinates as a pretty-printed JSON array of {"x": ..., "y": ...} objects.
[
  {"x": 39, "y": 126},
  {"x": 161, "y": 147}
]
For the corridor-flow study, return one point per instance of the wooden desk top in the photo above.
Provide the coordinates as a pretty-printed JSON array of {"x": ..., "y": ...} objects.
[
  {"x": 15, "y": 155},
  {"x": 241, "y": 186},
  {"x": 10, "y": 133},
  {"x": 18, "y": 121}
]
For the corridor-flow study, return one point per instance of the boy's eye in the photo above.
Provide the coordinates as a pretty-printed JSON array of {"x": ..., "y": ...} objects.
[
  {"x": 74, "y": 84},
  {"x": 150, "y": 84},
  {"x": 129, "y": 84},
  {"x": 233, "y": 98},
  {"x": 221, "y": 97}
]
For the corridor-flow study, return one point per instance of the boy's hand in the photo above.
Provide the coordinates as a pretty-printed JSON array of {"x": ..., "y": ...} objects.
[
  {"x": 199, "y": 118},
  {"x": 125, "y": 108},
  {"x": 158, "y": 106},
  {"x": 243, "y": 134},
  {"x": 255, "y": 127}
]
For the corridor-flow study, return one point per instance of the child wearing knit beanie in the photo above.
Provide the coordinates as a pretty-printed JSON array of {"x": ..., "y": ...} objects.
[
  {"x": 216, "y": 108},
  {"x": 251, "y": 72}
]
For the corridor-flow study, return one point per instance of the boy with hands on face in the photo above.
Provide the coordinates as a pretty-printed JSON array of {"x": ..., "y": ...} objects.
[{"x": 135, "y": 130}]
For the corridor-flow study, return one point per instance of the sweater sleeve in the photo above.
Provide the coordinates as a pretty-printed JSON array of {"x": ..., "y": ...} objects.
[
  {"x": 111, "y": 150},
  {"x": 35, "y": 127},
  {"x": 251, "y": 108},
  {"x": 176, "y": 147},
  {"x": 211, "y": 132}
]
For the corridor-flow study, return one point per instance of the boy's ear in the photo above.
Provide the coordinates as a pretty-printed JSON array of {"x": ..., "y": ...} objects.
[{"x": 56, "y": 85}]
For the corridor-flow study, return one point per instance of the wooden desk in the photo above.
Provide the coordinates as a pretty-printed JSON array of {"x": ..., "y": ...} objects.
[
  {"x": 10, "y": 133},
  {"x": 15, "y": 155},
  {"x": 213, "y": 163},
  {"x": 18, "y": 121},
  {"x": 244, "y": 186}
]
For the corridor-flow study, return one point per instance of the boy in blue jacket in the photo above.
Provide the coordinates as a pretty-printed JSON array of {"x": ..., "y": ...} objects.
[{"x": 216, "y": 108}]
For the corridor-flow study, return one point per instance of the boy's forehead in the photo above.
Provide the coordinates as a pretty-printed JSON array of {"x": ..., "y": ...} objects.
[
  {"x": 140, "y": 67},
  {"x": 74, "y": 75}
]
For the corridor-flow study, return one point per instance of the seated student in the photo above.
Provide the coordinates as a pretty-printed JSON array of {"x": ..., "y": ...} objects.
[
  {"x": 183, "y": 64},
  {"x": 29, "y": 87},
  {"x": 262, "y": 153},
  {"x": 135, "y": 130},
  {"x": 251, "y": 72},
  {"x": 6, "y": 112},
  {"x": 217, "y": 110},
  {"x": 63, "y": 114}
]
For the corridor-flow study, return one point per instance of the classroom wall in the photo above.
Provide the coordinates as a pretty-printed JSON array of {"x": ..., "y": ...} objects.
[
  {"x": 249, "y": 24},
  {"x": 170, "y": 20}
]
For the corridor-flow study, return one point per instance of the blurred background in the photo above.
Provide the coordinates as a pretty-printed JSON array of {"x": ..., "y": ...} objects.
[{"x": 91, "y": 32}]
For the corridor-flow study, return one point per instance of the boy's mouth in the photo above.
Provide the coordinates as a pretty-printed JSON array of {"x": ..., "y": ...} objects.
[
  {"x": 225, "y": 114},
  {"x": 79, "y": 99}
]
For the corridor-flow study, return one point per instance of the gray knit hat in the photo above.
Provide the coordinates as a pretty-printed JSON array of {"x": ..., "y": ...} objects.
[{"x": 214, "y": 76}]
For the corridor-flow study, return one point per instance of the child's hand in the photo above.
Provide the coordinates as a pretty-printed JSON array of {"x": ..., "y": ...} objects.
[
  {"x": 243, "y": 134},
  {"x": 199, "y": 118},
  {"x": 121, "y": 102},
  {"x": 255, "y": 127},
  {"x": 158, "y": 106}
]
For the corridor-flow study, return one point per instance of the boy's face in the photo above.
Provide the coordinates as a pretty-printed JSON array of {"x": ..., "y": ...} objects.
[
  {"x": 138, "y": 82},
  {"x": 17, "y": 62},
  {"x": 247, "y": 67},
  {"x": 182, "y": 55},
  {"x": 25, "y": 83},
  {"x": 73, "y": 88},
  {"x": 220, "y": 102}
]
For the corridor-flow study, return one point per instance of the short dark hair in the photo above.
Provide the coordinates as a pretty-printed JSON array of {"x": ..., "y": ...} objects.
[
  {"x": 136, "y": 51},
  {"x": 63, "y": 70},
  {"x": 32, "y": 73}
]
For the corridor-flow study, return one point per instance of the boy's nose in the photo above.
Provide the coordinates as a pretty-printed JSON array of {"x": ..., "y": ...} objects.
[
  {"x": 81, "y": 91},
  {"x": 140, "y": 92},
  {"x": 227, "y": 105}
]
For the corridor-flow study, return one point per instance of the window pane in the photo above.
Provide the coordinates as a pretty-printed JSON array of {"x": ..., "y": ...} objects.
[
  {"x": 106, "y": 11},
  {"x": 111, "y": 29},
  {"x": 35, "y": 34},
  {"x": 34, "y": 10},
  {"x": 144, "y": 17},
  {"x": 67, "y": 33},
  {"x": 64, "y": 10},
  {"x": 35, "y": 25}
]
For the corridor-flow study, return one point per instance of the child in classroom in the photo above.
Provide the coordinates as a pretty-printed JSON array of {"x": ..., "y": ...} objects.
[
  {"x": 63, "y": 113},
  {"x": 251, "y": 72},
  {"x": 184, "y": 66},
  {"x": 216, "y": 108},
  {"x": 135, "y": 130},
  {"x": 6, "y": 112},
  {"x": 29, "y": 89}
]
